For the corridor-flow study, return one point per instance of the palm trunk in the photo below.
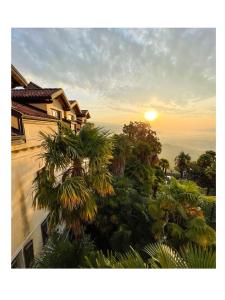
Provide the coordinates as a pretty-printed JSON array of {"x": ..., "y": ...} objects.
[
  {"x": 118, "y": 167},
  {"x": 77, "y": 168}
]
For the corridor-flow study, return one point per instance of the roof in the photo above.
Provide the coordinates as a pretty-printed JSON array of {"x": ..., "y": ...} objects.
[
  {"x": 17, "y": 78},
  {"x": 74, "y": 105},
  {"x": 33, "y": 85},
  {"x": 72, "y": 102},
  {"x": 34, "y": 94},
  {"x": 85, "y": 113},
  {"x": 30, "y": 111}
]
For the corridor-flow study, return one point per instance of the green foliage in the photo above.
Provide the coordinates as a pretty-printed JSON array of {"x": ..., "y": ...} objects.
[
  {"x": 178, "y": 216},
  {"x": 198, "y": 257},
  {"x": 204, "y": 171},
  {"x": 131, "y": 259},
  {"x": 208, "y": 205},
  {"x": 142, "y": 176},
  {"x": 65, "y": 186},
  {"x": 60, "y": 252},
  {"x": 158, "y": 256},
  {"x": 136, "y": 207},
  {"x": 200, "y": 233},
  {"x": 164, "y": 164},
  {"x": 121, "y": 152},
  {"x": 182, "y": 163},
  {"x": 121, "y": 238},
  {"x": 140, "y": 131},
  {"x": 175, "y": 230},
  {"x": 122, "y": 219},
  {"x": 162, "y": 256}
]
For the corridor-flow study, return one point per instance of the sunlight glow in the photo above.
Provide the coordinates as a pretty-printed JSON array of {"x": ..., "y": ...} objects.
[{"x": 151, "y": 115}]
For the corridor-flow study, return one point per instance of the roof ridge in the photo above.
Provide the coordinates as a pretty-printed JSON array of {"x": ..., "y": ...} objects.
[{"x": 32, "y": 85}]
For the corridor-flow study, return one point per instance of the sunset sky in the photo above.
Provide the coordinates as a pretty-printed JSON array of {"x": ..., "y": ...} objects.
[{"x": 119, "y": 74}]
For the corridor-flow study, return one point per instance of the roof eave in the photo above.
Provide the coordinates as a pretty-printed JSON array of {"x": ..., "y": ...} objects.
[
  {"x": 18, "y": 76},
  {"x": 66, "y": 101},
  {"x": 25, "y": 116}
]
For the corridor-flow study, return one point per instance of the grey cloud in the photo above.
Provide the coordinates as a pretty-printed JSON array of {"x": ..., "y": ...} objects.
[{"x": 124, "y": 65}]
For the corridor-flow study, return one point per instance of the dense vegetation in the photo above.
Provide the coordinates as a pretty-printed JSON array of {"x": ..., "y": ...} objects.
[{"x": 119, "y": 205}]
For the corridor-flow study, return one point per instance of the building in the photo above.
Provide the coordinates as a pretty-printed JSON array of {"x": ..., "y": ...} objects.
[{"x": 34, "y": 109}]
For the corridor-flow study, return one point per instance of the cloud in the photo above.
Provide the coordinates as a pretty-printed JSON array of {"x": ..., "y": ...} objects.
[{"x": 177, "y": 66}]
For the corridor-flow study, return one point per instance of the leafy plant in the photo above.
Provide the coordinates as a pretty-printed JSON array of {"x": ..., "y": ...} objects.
[
  {"x": 159, "y": 256},
  {"x": 60, "y": 252},
  {"x": 66, "y": 186}
]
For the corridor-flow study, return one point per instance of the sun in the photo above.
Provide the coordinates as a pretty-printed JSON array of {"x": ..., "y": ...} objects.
[{"x": 151, "y": 115}]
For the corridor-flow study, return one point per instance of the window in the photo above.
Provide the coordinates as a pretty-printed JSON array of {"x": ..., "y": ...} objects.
[
  {"x": 18, "y": 261},
  {"x": 16, "y": 123},
  {"x": 14, "y": 264},
  {"x": 44, "y": 231},
  {"x": 28, "y": 252},
  {"x": 70, "y": 117},
  {"x": 56, "y": 113}
]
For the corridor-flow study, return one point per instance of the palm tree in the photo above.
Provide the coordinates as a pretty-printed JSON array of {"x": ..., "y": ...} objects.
[
  {"x": 121, "y": 151},
  {"x": 178, "y": 217},
  {"x": 159, "y": 256},
  {"x": 164, "y": 164},
  {"x": 61, "y": 252},
  {"x": 182, "y": 162},
  {"x": 76, "y": 168},
  {"x": 190, "y": 256}
]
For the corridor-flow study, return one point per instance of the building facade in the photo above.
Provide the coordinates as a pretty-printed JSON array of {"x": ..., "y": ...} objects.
[{"x": 34, "y": 109}]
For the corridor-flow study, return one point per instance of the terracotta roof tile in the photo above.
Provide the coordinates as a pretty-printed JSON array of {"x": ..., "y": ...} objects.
[
  {"x": 33, "y": 94},
  {"x": 30, "y": 111}
]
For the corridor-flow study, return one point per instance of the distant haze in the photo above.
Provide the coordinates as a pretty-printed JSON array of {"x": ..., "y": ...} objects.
[{"x": 194, "y": 145}]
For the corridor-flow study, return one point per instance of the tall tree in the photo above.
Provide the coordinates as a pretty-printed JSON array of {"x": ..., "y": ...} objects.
[
  {"x": 164, "y": 164},
  {"x": 121, "y": 151},
  {"x": 204, "y": 171},
  {"x": 76, "y": 168},
  {"x": 182, "y": 162},
  {"x": 177, "y": 215},
  {"x": 141, "y": 131}
]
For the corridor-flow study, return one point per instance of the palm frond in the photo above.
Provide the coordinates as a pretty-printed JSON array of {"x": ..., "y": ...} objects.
[
  {"x": 131, "y": 259},
  {"x": 162, "y": 256},
  {"x": 101, "y": 182},
  {"x": 199, "y": 257},
  {"x": 73, "y": 192},
  {"x": 175, "y": 230},
  {"x": 200, "y": 233}
]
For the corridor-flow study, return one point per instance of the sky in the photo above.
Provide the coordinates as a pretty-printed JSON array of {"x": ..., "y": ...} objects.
[{"x": 118, "y": 74}]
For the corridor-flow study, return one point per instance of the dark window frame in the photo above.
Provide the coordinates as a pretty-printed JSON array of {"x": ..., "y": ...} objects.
[
  {"x": 28, "y": 254},
  {"x": 18, "y": 261},
  {"x": 14, "y": 263},
  {"x": 58, "y": 112},
  {"x": 18, "y": 115},
  {"x": 44, "y": 231}
]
